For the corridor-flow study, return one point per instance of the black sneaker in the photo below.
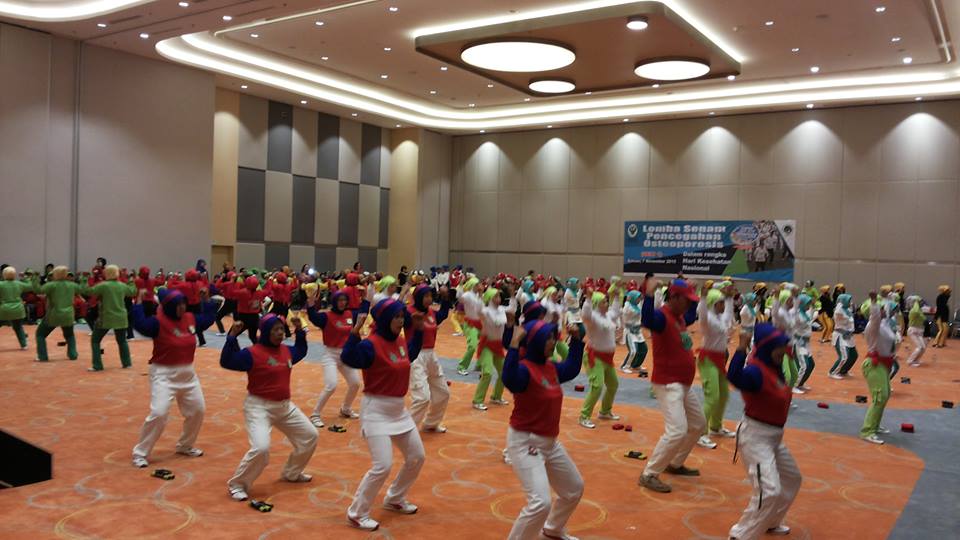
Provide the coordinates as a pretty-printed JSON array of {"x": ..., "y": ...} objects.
[{"x": 682, "y": 470}]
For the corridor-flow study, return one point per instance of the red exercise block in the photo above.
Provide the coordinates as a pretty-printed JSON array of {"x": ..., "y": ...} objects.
[
  {"x": 617, "y": 427},
  {"x": 906, "y": 428},
  {"x": 823, "y": 405},
  {"x": 628, "y": 427},
  {"x": 449, "y": 383}
]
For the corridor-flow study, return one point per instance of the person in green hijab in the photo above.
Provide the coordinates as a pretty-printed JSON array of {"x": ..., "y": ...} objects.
[
  {"x": 59, "y": 293},
  {"x": 113, "y": 314},
  {"x": 12, "y": 311}
]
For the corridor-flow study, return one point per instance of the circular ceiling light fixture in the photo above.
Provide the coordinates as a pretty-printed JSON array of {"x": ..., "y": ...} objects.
[
  {"x": 672, "y": 69},
  {"x": 552, "y": 86},
  {"x": 637, "y": 23},
  {"x": 519, "y": 56}
]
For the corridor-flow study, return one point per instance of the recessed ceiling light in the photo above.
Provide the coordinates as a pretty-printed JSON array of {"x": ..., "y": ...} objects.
[
  {"x": 795, "y": 50},
  {"x": 587, "y": 93},
  {"x": 489, "y": 86},
  {"x": 483, "y": 131},
  {"x": 526, "y": 99},
  {"x": 227, "y": 18},
  {"x": 254, "y": 35},
  {"x": 472, "y": 105},
  {"x": 880, "y": 9},
  {"x": 183, "y": 4},
  {"x": 394, "y": 9},
  {"x": 101, "y": 25},
  {"x": 895, "y": 39},
  {"x": 144, "y": 35},
  {"x": 388, "y": 49},
  {"x": 443, "y": 68},
  {"x": 814, "y": 69},
  {"x": 626, "y": 119},
  {"x": 433, "y": 92},
  {"x": 672, "y": 70},
  {"x": 918, "y": 98},
  {"x": 907, "y": 59},
  {"x": 768, "y": 23},
  {"x": 319, "y": 23},
  {"x": 398, "y": 125},
  {"x": 324, "y": 57},
  {"x": 353, "y": 114},
  {"x": 637, "y": 23},
  {"x": 731, "y": 77},
  {"x": 384, "y": 76},
  {"x": 243, "y": 87},
  {"x": 303, "y": 102},
  {"x": 809, "y": 105},
  {"x": 656, "y": 85},
  {"x": 518, "y": 56},
  {"x": 552, "y": 86},
  {"x": 549, "y": 126},
  {"x": 712, "y": 113}
]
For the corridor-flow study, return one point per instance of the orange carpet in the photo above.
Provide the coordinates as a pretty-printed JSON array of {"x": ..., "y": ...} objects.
[{"x": 90, "y": 421}]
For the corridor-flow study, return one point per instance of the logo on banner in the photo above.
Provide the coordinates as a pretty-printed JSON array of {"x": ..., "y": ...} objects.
[{"x": 633, "y": 230}]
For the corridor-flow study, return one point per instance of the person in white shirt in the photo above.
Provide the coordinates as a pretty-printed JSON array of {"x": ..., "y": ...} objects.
[
  {"x": 803, "y": 329},
  {"x": 632, "y": 333},
  {"x": 600, "y": 318},
  {"x": 571, "y": 302},
  {"x": 552, "y": 304},
  {"x": 748, "y": 314},
  {"x": 494, "y": 318},
  {"x": 715, "y": 312},
  {"x": 882, "y": 340},
  {"x": 472, "y": 305},
  {"x": 843, "y": 337}
]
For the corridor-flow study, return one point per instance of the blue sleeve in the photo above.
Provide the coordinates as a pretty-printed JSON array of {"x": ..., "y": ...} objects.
[
  {"x": 364, "y": 307},
  {"x": 507, "y": 336},
  {"x": 207, "y": 316},
  {"x": 415, "y": 344},
  {"x": 516, "y": 376},
  {"x": 317, "y": 318},
  {"x": 650, "y": 317},
  {"x": 299, "y": 348},
  {"x": 570, "y": 367},
  {"x": 357, "y": 353},
  {"x": 443, "y": 312},
  {"x": 213, "y": 289},
  {"x": 690, "y": 316},
  {"x": 148, "y": 326},
  {"x": 745, "y": 378},
  {"x": 232, "y": 357}
]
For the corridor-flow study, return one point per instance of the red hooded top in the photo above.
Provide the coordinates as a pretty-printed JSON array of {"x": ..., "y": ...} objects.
[
  {"x": 146, "y": 284},
  {"x": 282, "y": 289},
  {"x": 248, "y": 297}
]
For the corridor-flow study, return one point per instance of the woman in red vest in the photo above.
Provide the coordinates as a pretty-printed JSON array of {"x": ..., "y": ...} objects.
[
  {"x": 385, "y": 358},
  {"x": 249, "y": 304},
  {"x": 539, "y": 459},
  {"x": 268, "y": 365},
  {"x": 337, "y": 323},
  {"x": 171, "y": 370},
  {"x": 429, "y": 393},
  {"x": 771, "y": 468}
]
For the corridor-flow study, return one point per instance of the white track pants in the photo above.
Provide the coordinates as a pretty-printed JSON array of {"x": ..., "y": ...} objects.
[
  {"x": 773, "y": 474},
  {"x": 331, "y": 364},
  {"x": 541, "y": 463},
  {"x": 261, "y": 416},
  {"x": 429, "y": 393},
  {"x": 919, "y": 345},
  {"x": 683, "y": 423},
  {"x": 381, "y": 453},
  {"x": 166, "y": 384}
]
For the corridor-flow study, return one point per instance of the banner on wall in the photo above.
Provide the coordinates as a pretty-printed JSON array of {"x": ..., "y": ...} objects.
[{"x": 749, "y": 250}]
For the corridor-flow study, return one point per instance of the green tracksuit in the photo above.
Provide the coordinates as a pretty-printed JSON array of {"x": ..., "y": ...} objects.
[
  {"x": 113, "y": 316},
  {"x": 59, "y": 313},
  {"x": 12, "y": 311}
]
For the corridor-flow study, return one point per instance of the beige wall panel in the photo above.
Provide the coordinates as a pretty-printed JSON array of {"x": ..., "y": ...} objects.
[
  {"x": 858, "y": 225},
  {"x": 555, "y": 220},
  {"x": 226, "y": 146},
  {"x": 326, "y": 212},
  {"x": 253, "y": 132},
  {"x": 486, "y": 264},
  {"x": 692, "y": 202},
  {"x": 930, "y": 276},
  {"x": 529, "y": 261},
  {"x": 301, "y": 255},
  {"x": 549, "y": 165},
  {"x": 346, "y": 256},
  {"x": 368, "y": 232},
  {"x": 605, "y": 266},
  {"x": 579, "y": 266},
  {"x": 486, "y": 172},
  {"x": 404, "y": 199},
  {"x": 304, "y": 149},
  {"x": 890, "y": 273},
  {"x": 863, "y": 132},
  {"x": 821, "y": 272},
  {"x": 278, "y": 200},
  {"x": 937, "y": 224},
  {"x": 508, "y": 262},
  {"x": 821, "y": 220},
  {"x": 249, "y": 255},
  {"x": 723, "y": 202},
  {"x": 623, "y": 156},
  {"x": 607, "y": 226},
  {"x": 581, "y": 220},
  {"x": 859, "y": 278},
  {"x": 509, "y": 210},
  {"x": 532, "y": 221},
  {"x": 759, "y": 135},
  {"x": 670, "y": 143},
  {"x": 584, "y": 156},
  {"x": 897, "y": 222},
  {"x": 811, "y": 151},
  {"x": 350, "y": 150},
  {"x": 555, "y": 265},
  {"x": 513, "y": 156},
  {"x": 484, "y": 215},
  {"x": 634, "y": 204},
  {"x": 662, "y": 203}
]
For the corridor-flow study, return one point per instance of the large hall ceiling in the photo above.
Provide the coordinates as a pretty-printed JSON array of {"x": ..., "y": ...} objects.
[{"x": 363, "y": 60}]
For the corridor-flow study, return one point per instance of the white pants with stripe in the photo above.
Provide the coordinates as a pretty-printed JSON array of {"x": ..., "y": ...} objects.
[
  {"x": 168, "y": 383},
  {"x": 773, "y": 474},
  {"x": 261, "y": 416},
  {"x": 331, "y": 364},
  {"x": 429, "y": 393},
  {"x": 542, "y": 463},
  {"x": 683, "y": 423},
  {"x": 919, "y": 345},
  {"x": 381, "y": 453}
]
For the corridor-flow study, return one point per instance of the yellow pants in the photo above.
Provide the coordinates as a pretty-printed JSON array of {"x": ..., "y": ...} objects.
[
  {"x": 827, "y": 323},
  {"x": 457, "y": 322},
  {"x": 943, "y": 330}
]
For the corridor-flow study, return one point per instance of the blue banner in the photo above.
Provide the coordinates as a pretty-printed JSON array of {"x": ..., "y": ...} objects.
[{"x": 760, "y": 250}]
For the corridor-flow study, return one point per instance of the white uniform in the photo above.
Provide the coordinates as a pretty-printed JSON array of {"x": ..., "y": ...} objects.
[
  {"x": 571, "y": 304},
  {"x": 166, "y": 384}
]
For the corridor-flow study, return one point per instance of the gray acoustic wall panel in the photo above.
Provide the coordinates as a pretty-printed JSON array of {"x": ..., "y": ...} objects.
[
  {"x": 368, "y": 230},
  {"x": 304, "y": 201},
  {"x": 251, "y": 184},
  {"x": 384, "y": 218},
  {"x": 349, "y": 214},
  {"x": 370, "y": 141},
  {"x": 325, "y": 259},
  {"x": 328, "y": 147},
  {"x": 279, "y": 201},
  {"x": 368, "y": 258},
  {"x": 248, "y": 255},
  {"x": 301, "y": 255},
  {"x": 276, "y": 255},
  {"x": 280, "y": 137}
]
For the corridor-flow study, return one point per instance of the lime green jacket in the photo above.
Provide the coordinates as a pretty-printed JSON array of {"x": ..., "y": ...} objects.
[
  {"x": 60, "y": 296},
  {"x": 917, "y": 318},
  {"x": 113, "y": 314},
  {"x": 11, "y": 303}
]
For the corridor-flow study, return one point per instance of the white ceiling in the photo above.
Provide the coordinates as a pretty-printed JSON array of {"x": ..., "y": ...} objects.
[{"x": 848, "y": 40}]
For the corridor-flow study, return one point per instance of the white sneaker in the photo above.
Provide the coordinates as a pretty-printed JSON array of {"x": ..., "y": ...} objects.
[
  {"x": 506, "y": 457},
  {"x": 140, "y": 462},
  {"x": 302, "y": 478},
  {"x": 873, "y": 439},
  {"x": 349, "y": 414},
  {"x": 479, "y": 406},
  {"x": 238, "y": 494},
  {"x": 705, "y": 442},
  {"x": 457, "y": 334},
  {"x": 836, "y": 376},
  {"x": 191, "y": 452},
  {"x": 221, "y": 334},
  {"x": 914, "y": 364},
  {"x": 626, "y": 370},
  {"x": 804, "y": 387},
  {"x": 316, "y": 421},
  {"x": 463, "y": 372},
  {"x": 724, "y": 432},
  {"x": 798, "y": 390},
  {"x": 882, "y": 430},
  {"x": 562, "y": 535},
  {"x": 608, "y": 416},
  {"x": 587, "y": 423},
  {"x": 779, "y": 530},
  {"x": 499, "y": 402},
  {"x": 404, "y": 507},
  {"x": 363, "y": 523},
  {"x": 435, "y": 429}
]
